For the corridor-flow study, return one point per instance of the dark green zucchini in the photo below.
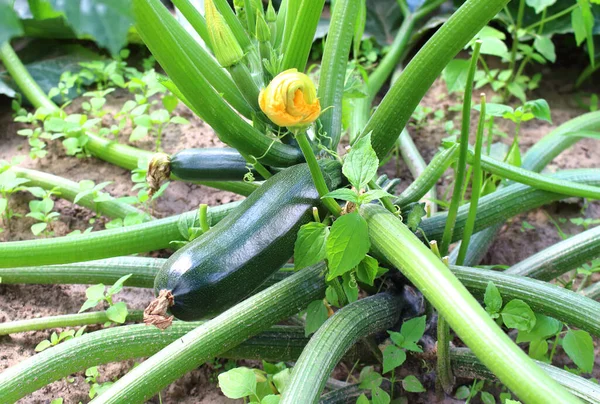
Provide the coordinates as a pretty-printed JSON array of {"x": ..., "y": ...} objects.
[
  {"x": 213, "y": 164},
  {"x": 235, "y": 257}
]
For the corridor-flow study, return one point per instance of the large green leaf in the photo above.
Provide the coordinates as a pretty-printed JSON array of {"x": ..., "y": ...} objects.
[
  {"x": 10, "y": 25},
  {"x": 107, "y": 21},
  {"x": 383, "y": 20}
]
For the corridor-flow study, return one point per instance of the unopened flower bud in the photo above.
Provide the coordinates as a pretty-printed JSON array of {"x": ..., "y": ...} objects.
[{"x": 226, "y": 48}]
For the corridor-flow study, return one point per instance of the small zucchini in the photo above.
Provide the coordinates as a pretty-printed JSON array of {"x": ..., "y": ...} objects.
[
  {"x": 235, "y": 257},
  {"x": 211, "y": 164}
]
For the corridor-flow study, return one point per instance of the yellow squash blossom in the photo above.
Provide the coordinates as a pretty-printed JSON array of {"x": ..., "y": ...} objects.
[{"x": 290, "y": 100}]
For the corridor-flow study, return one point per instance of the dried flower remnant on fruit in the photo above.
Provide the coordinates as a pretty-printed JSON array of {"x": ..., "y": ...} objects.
[
  {"x": 290, "y": 100},
  {"x": 159, "y": 169},
  {"x": 156, "y": 312}
]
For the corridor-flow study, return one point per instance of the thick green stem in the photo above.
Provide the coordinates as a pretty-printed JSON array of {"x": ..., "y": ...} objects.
[
  {"x": 299, "y": 41},
  {"x": 417, "y": 167},
  {"x": 444, "y": 376},
  {"x": 560, "y": 258},
  {"x": 395, "y": 110},
  {"x": 428, "y": 178},
  {"x": 142, "y": 269},
  {"x": 315, "y": 172},
  {"x": 196, "y": 20},
  {"x": 536, "y": 158},
  {"x": 393, "y": 240},
  {"x": 333, "y": 339},
  {"x": 465, "y": 364},
  {"x": 475, "y": 187},
  {"x": 506, "y": 202},
  {"x": 218, "y": 335},
  {"x": 69, "y": 189},
  {"x": 145, "y": 237},
  {"x": 545, "y": 298},
  {"x": 244, "y": 81},
  {"x": 67, "y": 320},
  {"x": 333, "y": 68},
  {"x": 21, "y": 76},
  {"x": 461, "y": 165}
]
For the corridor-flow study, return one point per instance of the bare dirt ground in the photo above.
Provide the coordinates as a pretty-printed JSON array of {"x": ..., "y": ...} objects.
[{"x": 28, "y": 301}]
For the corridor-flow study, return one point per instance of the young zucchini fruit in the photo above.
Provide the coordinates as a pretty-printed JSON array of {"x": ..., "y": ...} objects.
[
  {"x": 212, "y": 164},
  {"x": 235, "y": 257}
]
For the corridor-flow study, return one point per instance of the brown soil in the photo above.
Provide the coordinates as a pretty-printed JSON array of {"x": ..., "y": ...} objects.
[{"x": 28, "y": 301}]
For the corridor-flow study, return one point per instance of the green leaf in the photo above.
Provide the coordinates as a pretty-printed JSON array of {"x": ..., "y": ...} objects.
[
  {"x": 412, "y": 330},
  {"x": 332, "y": 296},
  {"x": 117, "y": 313},
  {"x": 350, "y": 287},
  {"x": 270, "y": 399},
  {"x": 88, "y": 304},
  {"x": 37, "y": 228},
  {"x": 10, "y": 26},
  {"x": 118, "y": 285},
  {"x": 545, "y": 47},
  {"x": 43, "y": 345},
  {"x": 517, "y": 314},
  {"x": 170, "y": 102},
  {"x": 361, "y": 163},
  {"x": 540, "y": 5},
  {"x": 392, "y": 358},
  {"x": 538, "y": 349},
  {"x": 374, "y": 194},
  {"x": 281, "y": 379},
  {"x": 369, "y": 379},
  {"x": 95, "y": 292},
  {"x": 380, "y": 396},
  {"x": 347, "y": 244},
  {"x": 487, "y": 398},
  {"x": 462, "y": 393},
  {"x": 107, "y": 21},
  {"x": 414, "y": 217},
  {"x": 396, "y": 337},
  {"x": 455, "y": 75},
  {"x": 238, "y": 383},
  {"x": 411, "y": 384},
  {"x": 544, "y": 327},
  {"x": 516, "y": 90},
  {"x": 362, "y": 399},
  {"x": 540, "y": 109},
  {"x": 578, "y": 26},
  {"x": 579, "y": 346},
  {"x": 344, "y": 194},
  {"x": 492, "y": 298},
  {"x": 494, "y": 46},
  {"x": 138, "y": 133},
  {"x": 367, "y": 270},
  {"x": 316, "y": 315},
  {"x": 310, "y": 246},
  {"x": 179, "y": 120}
]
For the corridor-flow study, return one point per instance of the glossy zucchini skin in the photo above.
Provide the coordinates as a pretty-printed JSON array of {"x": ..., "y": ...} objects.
[
  {"x": 235, "y": 257},
  {"x": 211, "y": 164}
]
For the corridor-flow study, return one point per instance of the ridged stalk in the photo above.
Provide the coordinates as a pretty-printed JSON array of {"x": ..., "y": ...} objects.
[
  {"x": 428, "y": 178},
  {"x": 395, "y": 110},
  {"x": 393, "y": 240},
  {"x": 69, "y": 189},
  {"x": 67, "y": 320},
  {"x": 465, "y": 364},
  {"x": 297, "y": 45},
  {"x": 507, "y": 202},
  {"x": 329, "y": 344},
  {"x": 333, "y": 68},
  {"x": 134, "y": 239},
  {"x": 142, "y": 269},
  {"x": 130, "y": 342},
  {"x": 536, "y": 158},
  {"x": 543, "y": 297},
  {"x": 561, "y": 257},
  {"x": 218, "y": 335}
]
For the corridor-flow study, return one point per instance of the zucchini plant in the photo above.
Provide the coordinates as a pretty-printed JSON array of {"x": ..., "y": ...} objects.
[{"x": 357, "y": 248}]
